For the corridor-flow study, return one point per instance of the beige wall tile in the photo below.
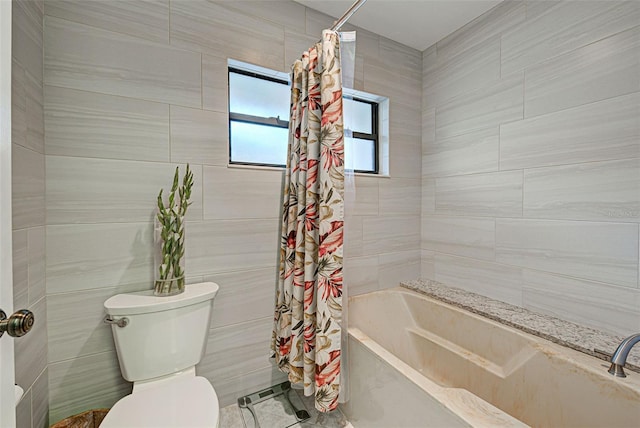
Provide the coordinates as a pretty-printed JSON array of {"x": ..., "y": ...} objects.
[
  {"x": 428, "y": 187},
  {"x": 236, "y": 349},
  {"x": 31, "y": 350},
  {"x": 366, "y": 196},
  {"x": 242, "y": 193},
  {"x": 601, "y": 70},
  {"x": 361, "y": 275},
  {"x": 20, "y": 263},
  {"x": 470, "y": 153},
  {"x": 546, "y": 34},
  {"x": 27, "y": 36},
  {"x": 244, "y": 295},
  {"x": 18, "y": 104},
  {"x": 400, "y": 196},
  {"x": 604, "y": 191},
  {"x": 353, "y": 238},
  {"x": 600, "y": 131},
  {"x": 399, "y": 85},
  {"x": 295, "y": 44},
  {"x": 428, "y": 131},
  {"x": 396, "y": 54},
  {"x": 86, "y": 124},
  {"x": 82, "y": 190},
  {"x": 465, "y": 72},
  {"x": 461, "y": 236},
  {"x": 404, "y": 122},
  {"x": 40, "y": 401},
  {"x": 317, "y": 21},
  {"x": 495, "y": 194},
  {"x": 145, "y": 19},
  {"x": 500, "y": 282},
  {"x": 223, "y": 245},
  {"x": 36, "y": 263},
  {"x": 598, "y": 305},
  {"x": 397, "y": 267},
  {"x": 405, "y": 158},
  {"x": 34, "y": 113},
  {"x": 606, "y": 252},
  {"x": 199, "y": 136},
  {"x": 390, "y": 233},
  {"x": 575, "y": 160},
  {"x": 28, "y": 186},
  {"x": 23, "y": 410},
  {"x": 494, "y": 22},
  {"x": 284, "y": 13},
  {"x": 82, "y": 57},
  {"x": 487, "y": 107},
  {"x": 69, "y": 338},
  {"x": 215, "y": 83},
  {"x": 91, "y": 256},
  {"x": 368, "y": 44},
  {"x": 427, "y": 264},
  {"x": 27, "y": 120},
  {"x": 216, "y": 29},
  {"x": 85, "y": 383}
]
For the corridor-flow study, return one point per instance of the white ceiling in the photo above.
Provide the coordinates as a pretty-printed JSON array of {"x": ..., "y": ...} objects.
[{"x": 415, "y": 23}]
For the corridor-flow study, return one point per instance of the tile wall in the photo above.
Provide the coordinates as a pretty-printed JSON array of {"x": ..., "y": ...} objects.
[
  {"x": 28, "y": 198},
  {"x": 531, "y": 159},
  {"x": 134, "y": 89}
]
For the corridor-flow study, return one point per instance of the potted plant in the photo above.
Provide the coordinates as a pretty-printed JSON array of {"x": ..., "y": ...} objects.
[{"x": 170, "y": 235}]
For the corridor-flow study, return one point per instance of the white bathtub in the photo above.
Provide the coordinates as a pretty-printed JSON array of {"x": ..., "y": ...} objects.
[{"x": 417, "y": 362}]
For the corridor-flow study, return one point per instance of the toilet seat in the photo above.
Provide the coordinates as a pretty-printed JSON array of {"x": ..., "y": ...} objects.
[{"x": 184, "y": 402}]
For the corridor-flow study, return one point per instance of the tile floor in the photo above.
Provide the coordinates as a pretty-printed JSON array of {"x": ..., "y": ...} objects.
[{"x": 276, "y": 413}]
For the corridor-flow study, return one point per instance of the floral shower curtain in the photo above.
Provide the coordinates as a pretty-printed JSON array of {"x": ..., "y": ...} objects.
[{"x": 307, "y": 324}]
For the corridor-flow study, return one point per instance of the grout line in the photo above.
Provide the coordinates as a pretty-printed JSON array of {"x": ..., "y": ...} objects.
[
  {"x": 522, "y": 200},
  {"x": 590, "y": 103},
  {"x": 442, "y": 216},
  {"x": 137, "y": 37},
  {"x": 171, "y": 113},
  {"x": 564, "y": 165}
]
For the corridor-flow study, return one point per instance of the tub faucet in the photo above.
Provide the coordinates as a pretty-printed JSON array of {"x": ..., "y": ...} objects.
[{"x": 619, "y": 358}]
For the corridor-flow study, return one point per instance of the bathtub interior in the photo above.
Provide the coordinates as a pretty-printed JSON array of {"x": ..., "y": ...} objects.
[{"x": 535, "y": 381}]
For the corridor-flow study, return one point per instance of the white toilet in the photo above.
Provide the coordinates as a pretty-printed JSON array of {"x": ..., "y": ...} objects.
[{"x": 158, "y": 348}]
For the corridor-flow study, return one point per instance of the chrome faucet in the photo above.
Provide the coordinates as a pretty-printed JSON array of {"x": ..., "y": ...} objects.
[{"x": 619, "y": 358}]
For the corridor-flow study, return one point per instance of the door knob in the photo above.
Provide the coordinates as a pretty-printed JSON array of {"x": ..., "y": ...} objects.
[{"x": 17, "y": 324}]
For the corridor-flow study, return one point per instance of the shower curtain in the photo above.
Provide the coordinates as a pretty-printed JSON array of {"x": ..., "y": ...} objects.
[{"x": 307, "y": 324}]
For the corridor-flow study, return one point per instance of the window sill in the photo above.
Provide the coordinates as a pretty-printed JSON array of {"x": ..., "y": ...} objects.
[{"x": 281, "y": 169}]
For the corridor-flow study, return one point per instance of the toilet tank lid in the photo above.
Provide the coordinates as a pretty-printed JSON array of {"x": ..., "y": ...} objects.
[{"x": 144, "y": 302}]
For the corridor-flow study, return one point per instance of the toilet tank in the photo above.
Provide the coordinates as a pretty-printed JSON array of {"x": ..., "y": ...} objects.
[{"x": 164, "y": 335}]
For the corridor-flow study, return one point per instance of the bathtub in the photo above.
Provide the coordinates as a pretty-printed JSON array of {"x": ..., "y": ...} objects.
[{"x": 418, "y": 362}]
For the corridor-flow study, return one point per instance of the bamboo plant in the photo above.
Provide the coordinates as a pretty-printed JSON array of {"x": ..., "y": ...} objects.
[{"x": 170, "y": 279}]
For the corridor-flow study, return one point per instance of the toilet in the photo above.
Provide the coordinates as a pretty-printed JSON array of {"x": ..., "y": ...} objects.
[{"x": 159, "y": 341}]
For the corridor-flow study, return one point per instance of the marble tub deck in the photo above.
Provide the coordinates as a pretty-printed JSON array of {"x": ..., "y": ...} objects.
[{"x": 565, "y": 333}]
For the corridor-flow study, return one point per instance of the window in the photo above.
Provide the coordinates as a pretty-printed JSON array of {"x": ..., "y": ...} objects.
[
  {"x": 259, "y": 122},
  {"x": 361, "y": 118}
]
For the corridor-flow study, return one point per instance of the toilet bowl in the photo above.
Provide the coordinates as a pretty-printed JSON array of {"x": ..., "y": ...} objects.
[{"x": 159, "y": 341}]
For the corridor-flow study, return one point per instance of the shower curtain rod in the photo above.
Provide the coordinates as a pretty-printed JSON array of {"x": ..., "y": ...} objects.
[{"x": 354, "y": 7}]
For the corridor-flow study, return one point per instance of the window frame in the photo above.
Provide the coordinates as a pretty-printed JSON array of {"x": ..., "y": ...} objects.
[
  {"x": 255, "y": 120},
  {"x": 374, "y": 136},
  {"x": 279, "y": 123}
]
